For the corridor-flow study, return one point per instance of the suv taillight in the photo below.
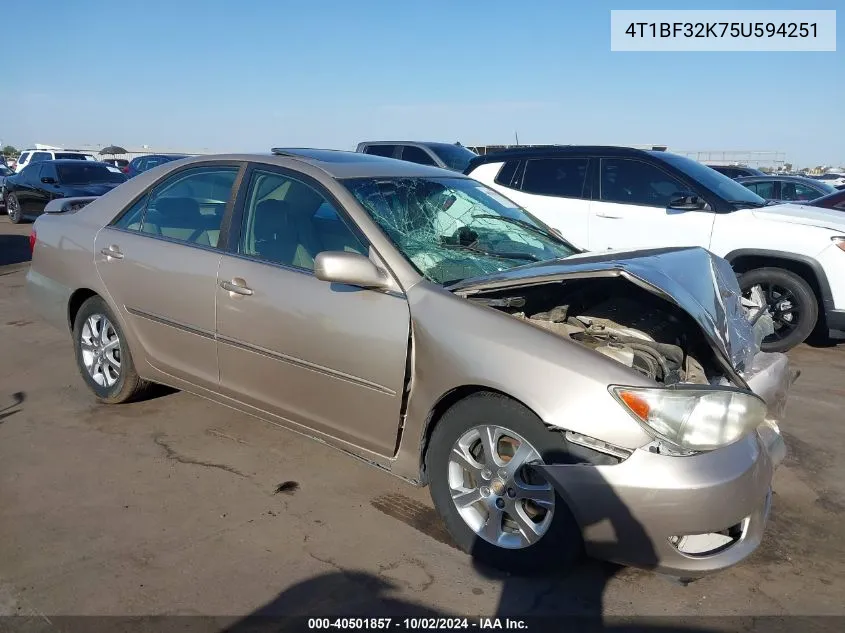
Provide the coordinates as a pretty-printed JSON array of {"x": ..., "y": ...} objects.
[{"x": 32, "y": 238}]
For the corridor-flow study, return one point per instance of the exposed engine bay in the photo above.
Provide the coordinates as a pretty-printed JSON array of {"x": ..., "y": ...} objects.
[{"x": 620, "y": 320}]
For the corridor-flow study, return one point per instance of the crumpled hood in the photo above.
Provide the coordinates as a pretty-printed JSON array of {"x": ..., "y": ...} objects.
[
  {"x": 803, "y": 214},
  {"x": 700, "y": 283}
]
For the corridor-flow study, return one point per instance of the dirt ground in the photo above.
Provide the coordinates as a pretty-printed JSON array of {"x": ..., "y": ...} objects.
[{"x": 170, "y": 506}]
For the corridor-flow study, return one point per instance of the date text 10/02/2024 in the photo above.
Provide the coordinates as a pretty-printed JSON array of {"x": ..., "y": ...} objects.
[{"x": 416, "y": 624}]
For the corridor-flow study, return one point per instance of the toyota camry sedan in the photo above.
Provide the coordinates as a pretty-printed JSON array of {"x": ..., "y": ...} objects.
[{"x": 554, "y": 401}]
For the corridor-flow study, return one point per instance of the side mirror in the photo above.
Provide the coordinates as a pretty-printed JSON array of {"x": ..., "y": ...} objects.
[
  {"x": 687, "y": 202},
  {"x": 352, "y": 269},
  {"x": 48, "y": 180}
]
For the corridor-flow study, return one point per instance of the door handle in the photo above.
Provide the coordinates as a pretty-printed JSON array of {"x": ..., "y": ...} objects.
[
  {"x": 236, "y": 286},
  {"x": 608, "y": 216},
  {"x": 112, "y": 252}
]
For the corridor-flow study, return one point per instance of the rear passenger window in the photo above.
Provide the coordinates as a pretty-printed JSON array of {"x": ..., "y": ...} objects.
[
  {"x": 189, "y": 206},
  {"x": 506, "y": 174},
  {"x": 380, "y": 150},
  {"x": 564, "y": 177},
  {"x": 414, "y": 154},
  {"x": 288, "y": 222},
  {"x": 763, "y": 189}
]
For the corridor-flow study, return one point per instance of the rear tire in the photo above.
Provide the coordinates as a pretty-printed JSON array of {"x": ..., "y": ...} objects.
[
  {"x": 560, "y": 543},
  {"x": 792, "y": 302},
  {"x": 103, "y": 356},
  {"x": 13, "y": 209}
]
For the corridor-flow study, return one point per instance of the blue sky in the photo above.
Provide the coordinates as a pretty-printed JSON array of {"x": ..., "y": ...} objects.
[{"x": 224, "y": 75}]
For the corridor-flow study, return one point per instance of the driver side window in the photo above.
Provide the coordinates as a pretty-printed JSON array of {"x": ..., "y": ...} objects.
[
  {"x": 628, "y": 181},
  {"x": 288, "y": 222}
]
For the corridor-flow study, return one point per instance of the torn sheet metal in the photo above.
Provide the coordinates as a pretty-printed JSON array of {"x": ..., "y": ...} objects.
[{"x": 701, "y": 284}]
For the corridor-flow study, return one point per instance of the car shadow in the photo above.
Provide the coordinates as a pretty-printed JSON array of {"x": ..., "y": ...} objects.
[
  {"x": 14, "y": 249},
  {"x": 571, "y": 600}
]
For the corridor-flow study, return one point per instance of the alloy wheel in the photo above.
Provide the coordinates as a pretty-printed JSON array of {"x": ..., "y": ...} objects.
[
  {"x": 494, "y": 489},
  {"x": 100, "y": 346},
  {"x": 783, "y": 305},
  {"x": 13, "y": 209}
]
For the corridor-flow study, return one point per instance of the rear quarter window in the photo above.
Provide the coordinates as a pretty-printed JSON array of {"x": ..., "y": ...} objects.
[
  {"x": 380, "y": 150},
  {"x": 507, "y": 174}
]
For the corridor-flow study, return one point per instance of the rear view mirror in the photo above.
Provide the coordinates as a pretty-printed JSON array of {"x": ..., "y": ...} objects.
[
  {"x": 48, "y": 180},
  {"x": 352, "y": 269},
  {"x": 687, "y": 202}
]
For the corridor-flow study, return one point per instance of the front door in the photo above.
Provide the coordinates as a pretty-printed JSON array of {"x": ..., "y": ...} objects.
[
  {"x": 325, "y": 356},
  {"x": 159, "y": 262},
  {"x": 632, "y": 210}
]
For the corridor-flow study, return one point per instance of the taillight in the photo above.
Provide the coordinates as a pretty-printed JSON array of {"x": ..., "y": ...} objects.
[
  {"x": 125, "y": 170},
  {"x": 32, "y": 238}
]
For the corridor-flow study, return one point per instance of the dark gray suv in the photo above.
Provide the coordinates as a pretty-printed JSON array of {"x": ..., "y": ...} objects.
[{"x": 446, "y": 155}]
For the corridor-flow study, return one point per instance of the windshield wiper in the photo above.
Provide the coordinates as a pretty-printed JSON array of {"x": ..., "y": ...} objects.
[
  {"x": 515, "y": 255},
  {"x": 522, "y": 223}
]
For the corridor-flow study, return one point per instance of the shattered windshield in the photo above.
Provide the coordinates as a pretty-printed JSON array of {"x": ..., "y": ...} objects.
[{"x": 455, "y": 228}]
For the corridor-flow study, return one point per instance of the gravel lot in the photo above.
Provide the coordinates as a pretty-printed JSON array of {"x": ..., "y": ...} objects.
[{"x": 169, "y": 506}]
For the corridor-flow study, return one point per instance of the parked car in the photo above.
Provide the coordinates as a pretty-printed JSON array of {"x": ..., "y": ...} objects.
[
  {"x": 447, "y": 155},
  {"x": 786, "y": 188},
  {"x": 736, "y": 171},
  {"x": 140, "y": 164},
  {"x": 4, "y": 172},
  {"x": 832, "y": 178},
  {"x": 30, "y": 156},
  {"x": 835, "y": 201},
  {"x": 603, "y": 198},
  {"x": 120, "y": 163},
  {"x": 27, "y": 193},
  {"x": 417, "y": 319}
]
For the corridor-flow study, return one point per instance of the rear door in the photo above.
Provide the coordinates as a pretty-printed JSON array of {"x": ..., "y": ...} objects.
[
  {"x": 159, "y": 262},
  {"x": 555, "y": 190},
  {"x": 325, "y": 356},
  {"x": 631, "y": 209}
]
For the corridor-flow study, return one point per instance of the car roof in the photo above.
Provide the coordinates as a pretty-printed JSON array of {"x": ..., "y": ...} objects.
[
  {"x": 772, "y": 177},
  {"x": 546, "y": 151},
  {"x": 424, "y": 143},
  {"x": 344, "y": 164},
  {"x": 70, "y": 161}
]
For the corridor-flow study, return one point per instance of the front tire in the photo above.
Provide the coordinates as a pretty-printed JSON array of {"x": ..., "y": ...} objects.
[
  {"x": 495, "y": 509},
  {"x": 13, "y": 209},
  {"x": 102, "y": 354},
  {"x": 791, "y": 301}
]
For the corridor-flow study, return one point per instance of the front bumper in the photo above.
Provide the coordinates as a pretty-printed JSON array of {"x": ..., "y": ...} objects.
[{"x": 631, "y": 512}]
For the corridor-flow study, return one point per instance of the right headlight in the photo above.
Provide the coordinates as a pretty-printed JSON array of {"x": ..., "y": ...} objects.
[{"x": 696, "y": 419}]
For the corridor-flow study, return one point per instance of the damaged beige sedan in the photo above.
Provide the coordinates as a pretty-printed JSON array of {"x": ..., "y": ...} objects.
[{"x": 554, "y": 401}]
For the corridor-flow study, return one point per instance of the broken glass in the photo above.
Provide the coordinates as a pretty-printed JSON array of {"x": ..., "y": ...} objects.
[{"x": 455, "y": 228}]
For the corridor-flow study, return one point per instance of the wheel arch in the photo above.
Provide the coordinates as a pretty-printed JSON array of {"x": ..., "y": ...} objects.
[
  {"x": 443, "y": 404},
  {"x": 805, "y": 267},
  {"x": 77, "y": 298}
]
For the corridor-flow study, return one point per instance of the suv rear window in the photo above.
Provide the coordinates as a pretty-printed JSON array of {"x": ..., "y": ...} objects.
[
  {"x": 564, "y": 177},
  {"x": 380, "y": 150},
  {"x": 70, "y": 156}
]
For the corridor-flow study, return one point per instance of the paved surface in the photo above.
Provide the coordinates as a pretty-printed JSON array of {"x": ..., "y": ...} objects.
[{"x": 170, "y": 506}]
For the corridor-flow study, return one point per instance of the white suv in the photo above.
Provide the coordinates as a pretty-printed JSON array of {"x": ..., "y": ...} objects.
[
  {"x": 29, "y": 156},
  {"x": 604, "y": 198}
]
